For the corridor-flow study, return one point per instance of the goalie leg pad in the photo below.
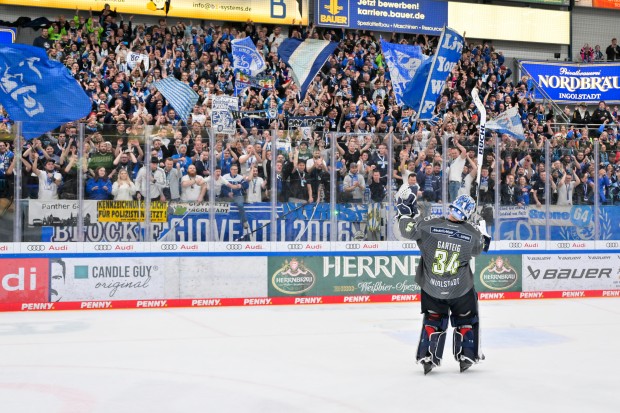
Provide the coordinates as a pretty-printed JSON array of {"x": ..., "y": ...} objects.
[
  {"x": 466, "y": 343},
  {"x": 432, "y": 339}
]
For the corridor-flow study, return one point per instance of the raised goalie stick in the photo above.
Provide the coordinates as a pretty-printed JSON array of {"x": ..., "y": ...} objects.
[{"x": 483, "y": 121}]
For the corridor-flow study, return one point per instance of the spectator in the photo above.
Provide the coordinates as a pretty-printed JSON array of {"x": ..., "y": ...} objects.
[
  {"x": 49, "y": 179},
  {"x": 123, "y": 189},
  {"x": 539, "y": 192},
  {"x": 613, "y": 51},
  {"x": 581, "y": 116},
  {"x": 353, "y": 185},
  {"x": 458, "y": 154},
  {"x": 584, "y": 192},
  {"x": 430, "y": 184},
  {"x": 523, "y": 197},
  {"x": 598, "y": 54},
  {"x": 509, "y": 192},
  {"x": 99, "y": 187},
  {"x": 566, "y": 187},
  {"x": 235, "y": 190},
  {"x": 377, "y": 188},
  {"x": 193, "y": 186},
  {"x": 486, "y": 190},
  {"x": 154, "y": 177},
  {"x": 43, "y": 41},
  {"x": 601, "y": 115},
  {"x": 172, "y": 181},
  {"x": 603, "y": 185},
  {"x": 318, "y": 179},
  {"x": 256, "y": 186},
  {"x": 586, "y": 53}
]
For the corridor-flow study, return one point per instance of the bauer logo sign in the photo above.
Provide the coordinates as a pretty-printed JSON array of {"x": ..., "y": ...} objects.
[
  {"x": 498, "y": 273},
  {"x": 336, "y": 276},
  {"x": 571, "y": 272}
]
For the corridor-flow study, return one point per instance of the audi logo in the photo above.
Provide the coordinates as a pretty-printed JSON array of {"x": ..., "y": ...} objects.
[
  {"x": 234, "y": 247},
  {"x": 295, "y": 246},
  {"x": 36, "y": 248},
  {"x": 563, "y": 244},
  {"x": 352, "y": 246},
  {"x": 409, "y": 245},
  {"x": 515, "y": 245},
  {"x": 612, "y": 245},
  {"x": 168, "y": 247},
  {"x": 103, "y": 247}
]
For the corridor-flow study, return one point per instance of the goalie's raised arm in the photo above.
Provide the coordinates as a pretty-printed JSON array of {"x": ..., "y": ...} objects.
[{"x": 407, "y": 212}]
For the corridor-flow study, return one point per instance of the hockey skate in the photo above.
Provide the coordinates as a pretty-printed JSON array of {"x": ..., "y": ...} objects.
[
  {"x": 464, "y": 364},
  {"x": 428, "y": 366}
]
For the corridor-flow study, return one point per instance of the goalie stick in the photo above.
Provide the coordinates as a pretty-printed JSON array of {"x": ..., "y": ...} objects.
[{"x": 480, "y": 152}]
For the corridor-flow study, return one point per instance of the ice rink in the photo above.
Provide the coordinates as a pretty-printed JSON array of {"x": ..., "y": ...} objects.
[{"x": 541, "y": 356}]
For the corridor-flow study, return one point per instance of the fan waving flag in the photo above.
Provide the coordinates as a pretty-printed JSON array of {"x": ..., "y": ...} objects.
[
  {"x": 404, "y": 62},
  {"x": 37, "y": 91},
  {"x": 306, "y": 58},
  {"x": 179, "y": 95},
  {"x": 246, "y": 58},
  {"x": 508, "y": 122}
]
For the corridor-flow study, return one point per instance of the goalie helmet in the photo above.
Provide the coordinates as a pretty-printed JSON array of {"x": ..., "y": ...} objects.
[{"x": 462, "y": 207}]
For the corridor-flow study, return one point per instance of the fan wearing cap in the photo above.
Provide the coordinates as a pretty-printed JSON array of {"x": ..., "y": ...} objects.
[
  {"x": 49, "y": 179},
  {"x": 445, "y": 277},
  {"x": 581, "y": 115},
  {"x": 153, "y": 176}
]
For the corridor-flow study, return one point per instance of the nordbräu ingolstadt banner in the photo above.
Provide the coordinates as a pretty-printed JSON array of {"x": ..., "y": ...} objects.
[
  {"x": 574, "y": 82},
  {"x": 403, "y": 16}
]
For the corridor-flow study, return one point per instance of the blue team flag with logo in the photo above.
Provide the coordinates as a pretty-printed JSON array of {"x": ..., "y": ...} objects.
[
  {"x": 404, "y": 63},
  {"x": 306, "y": 58},
  {"x": 180, "y": 96},
  {"x": 423, "y": 91},
  {"x": 246, "y": 58},
  {"x": 38, "y": 91},
  {"x": 508, "y": 122}
]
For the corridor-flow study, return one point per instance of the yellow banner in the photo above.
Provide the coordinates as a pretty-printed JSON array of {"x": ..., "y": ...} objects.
[
  {"x": 130, "y": 211},
  {"x": 259, "y": 11}
]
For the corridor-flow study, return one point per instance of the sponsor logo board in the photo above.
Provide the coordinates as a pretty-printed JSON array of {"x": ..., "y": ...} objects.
[
  {"x": 24, "y": 280},
  {"x": 342, "y": 275},
  {"x": 566, "y": 272}
]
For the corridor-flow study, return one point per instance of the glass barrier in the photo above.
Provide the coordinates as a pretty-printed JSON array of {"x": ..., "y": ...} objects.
[{"x": 166, "y": 182}]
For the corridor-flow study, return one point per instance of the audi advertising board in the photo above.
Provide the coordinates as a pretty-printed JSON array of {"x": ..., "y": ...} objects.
[
  {"x": 571, "y": 272},
  {"x": 24, "y": 280}
]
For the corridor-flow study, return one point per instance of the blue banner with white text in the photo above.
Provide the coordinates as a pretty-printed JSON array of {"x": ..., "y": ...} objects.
[
  {"x": 574, "y": 82},
  {"x": 422, "y": 16},
  {"x": 422, "y": 92}
]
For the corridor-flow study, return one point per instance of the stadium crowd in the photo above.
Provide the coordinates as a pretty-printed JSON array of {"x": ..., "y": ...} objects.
[{"x": 354, "y": 94}]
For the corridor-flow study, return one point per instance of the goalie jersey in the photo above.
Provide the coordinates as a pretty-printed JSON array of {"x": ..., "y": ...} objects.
[{"x": 446, "y": 247}]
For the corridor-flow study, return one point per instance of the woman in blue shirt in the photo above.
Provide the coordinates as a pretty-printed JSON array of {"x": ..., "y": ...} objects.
[{"x": 99, "y": 187}]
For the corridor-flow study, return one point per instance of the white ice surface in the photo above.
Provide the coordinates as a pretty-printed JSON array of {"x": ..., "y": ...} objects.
[{"x": 541, "y": 356}]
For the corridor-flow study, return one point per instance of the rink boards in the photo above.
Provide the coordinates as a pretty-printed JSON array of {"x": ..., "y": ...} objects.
[{"x": 74, "y": 276}]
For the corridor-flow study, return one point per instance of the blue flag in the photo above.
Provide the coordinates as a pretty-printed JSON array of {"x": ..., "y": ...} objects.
[
  {"x": 306, "y": 58},
  {"x": 404, "y": 62},
  {"x": 37, "y": 91},
  {"x": 422, "y": 92},
  {"x": 508, "y": 122},
  {"x": 246, "y": 58},
  {"x": 179, "y": 95}
]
